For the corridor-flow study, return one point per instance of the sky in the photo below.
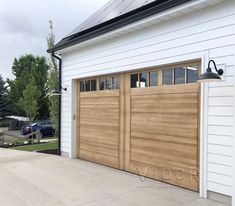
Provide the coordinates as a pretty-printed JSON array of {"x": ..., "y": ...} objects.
[{"x": 24, "y": 25}]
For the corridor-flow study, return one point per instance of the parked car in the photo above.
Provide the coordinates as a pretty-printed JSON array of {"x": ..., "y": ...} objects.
[{"x": 44, "y": 127}]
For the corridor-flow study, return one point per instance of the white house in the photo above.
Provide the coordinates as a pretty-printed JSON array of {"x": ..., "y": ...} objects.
[{"x": 133, "y": 101}]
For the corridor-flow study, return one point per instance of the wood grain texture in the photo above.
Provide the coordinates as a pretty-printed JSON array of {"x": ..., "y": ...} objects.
[
  {"x": 122, "y": 122},
  {"x": 164, "y": 133},
  {"x": 99, "y": 127},
  {"x": 166, "y": 89},
  {"x": 176, "y": 177},
  {"x": 127, "y": 122},
  {"x": 99, "y": 158},
  {"x": 149, "y": 131}
]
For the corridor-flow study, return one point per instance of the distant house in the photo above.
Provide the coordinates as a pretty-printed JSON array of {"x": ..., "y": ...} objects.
[
  {"x": 19, "y": 118},
  {"x": 133, "y": 101}
]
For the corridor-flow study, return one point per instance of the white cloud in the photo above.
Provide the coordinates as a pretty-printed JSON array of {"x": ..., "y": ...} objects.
[{"x": 24, "y": 25}]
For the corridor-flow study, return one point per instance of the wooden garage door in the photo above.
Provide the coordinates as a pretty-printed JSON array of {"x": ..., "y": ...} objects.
[
  {"x": 164, "y": 134},
  {"x": 148, "y": 126},
  {"x": 99, "y": 125}
]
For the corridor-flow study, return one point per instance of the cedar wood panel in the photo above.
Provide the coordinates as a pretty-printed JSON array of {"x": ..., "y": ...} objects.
[{"x": 151, "y": 131}]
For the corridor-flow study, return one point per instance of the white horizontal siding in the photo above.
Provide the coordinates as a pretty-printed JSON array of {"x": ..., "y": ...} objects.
[
  {"x": 219, "y": 188},
  {"x": 230, "y": 71},
  {"x": 147, "y": 59},
  {"x": 220, "y": 130},
  {"x": 220, "y": 124},
  {"x": 158, "y": 49},
  {"x": 220, "y": 140},
  {"x": 219, "y": 159},
  {"x": 228, "y": 83},
  {"x": 221, "y": 103},
  {"x": 220, "y": 120},
  {"x": 208, "y": 33},
  {"x": 220, "y": 110},
  {"x": 220, "y": 169},
  {"x": 221, "y": 91},
  {"x": 220, "y": 179},
  {"x": 220, "y": 149}
]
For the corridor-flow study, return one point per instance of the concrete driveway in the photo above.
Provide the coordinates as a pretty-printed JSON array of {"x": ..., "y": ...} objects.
[{"x": 33, "y": 179}]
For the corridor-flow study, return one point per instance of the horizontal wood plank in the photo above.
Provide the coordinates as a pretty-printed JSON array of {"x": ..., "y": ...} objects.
[
  {"x": 99, "y": 148},
  {"x": 164, "y": 132},
  {"x": 160, "y": 126},
  {"x": 177, "y": 177},
  {"x": 98, "y": 158},
  {"x": 99, "y": 127},
  {"x": 104, "y": 93},
  {"x": 167, "y": 89}
]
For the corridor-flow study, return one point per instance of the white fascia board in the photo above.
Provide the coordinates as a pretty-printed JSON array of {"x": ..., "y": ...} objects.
[{"x": 155, "y": 19}]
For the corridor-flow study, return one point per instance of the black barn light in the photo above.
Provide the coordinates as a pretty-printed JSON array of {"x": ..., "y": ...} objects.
[
  {"x": 210, "y": 76},
  {"x": 57, "y": 92}
]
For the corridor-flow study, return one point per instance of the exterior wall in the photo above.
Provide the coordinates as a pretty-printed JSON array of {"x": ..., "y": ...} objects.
[{"x": 206, "y": 34}]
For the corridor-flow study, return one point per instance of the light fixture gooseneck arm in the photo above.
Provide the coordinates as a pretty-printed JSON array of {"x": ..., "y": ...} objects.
[
  {"x": 219, "y": 71},
  {"x": 210, "y": 76},
  {"x": 64, "y": 88}
]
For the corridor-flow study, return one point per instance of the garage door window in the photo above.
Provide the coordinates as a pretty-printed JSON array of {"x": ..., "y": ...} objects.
[
  {"x": 192, "y": 73},
  {"x": 93, "y": 85},
  {"x": 81, "y": 86},
  {"x": 109, "y": 83},
  {"x": 153, "y": 79},
  {"x": 88, "y": 85},
  {"x": 115, "y": 82},
  {"x": 144, "y": 79},
  {"x": 180, "y": 75},
  {"x": 134, "y": 80},
  {"x": 102, "y": 83},
  {"x": 167, "y": 78}
]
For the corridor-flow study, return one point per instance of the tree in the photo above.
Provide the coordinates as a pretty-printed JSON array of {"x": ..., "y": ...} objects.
[
  {"x": 51, "y": 44},
  {"x": 29, "y": 101},
  {"x": 4, "y": 106},
  {"x": 53, "y": 80},
  {"x": 25, "y": 69}
]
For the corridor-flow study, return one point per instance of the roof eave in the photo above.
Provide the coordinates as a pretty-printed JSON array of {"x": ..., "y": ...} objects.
[{"x": 120, "y": 21}]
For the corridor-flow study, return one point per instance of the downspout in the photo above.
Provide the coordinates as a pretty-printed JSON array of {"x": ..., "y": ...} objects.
[{"x": 59, "y": 105}]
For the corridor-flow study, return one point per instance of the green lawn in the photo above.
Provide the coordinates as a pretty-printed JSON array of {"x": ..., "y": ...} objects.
[{"x": 35, "y": 147}]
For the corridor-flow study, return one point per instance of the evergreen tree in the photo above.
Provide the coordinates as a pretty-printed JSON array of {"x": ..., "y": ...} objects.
[
  {"x": 4, "y": 106},
  {"x": 53, "y": 80}
]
